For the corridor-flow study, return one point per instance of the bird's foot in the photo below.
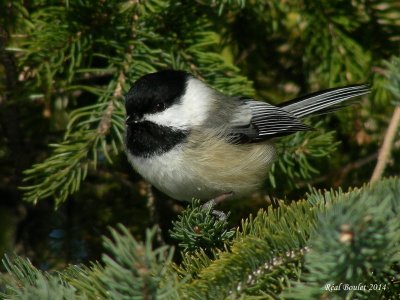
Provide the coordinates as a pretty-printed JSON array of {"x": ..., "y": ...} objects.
[{"x": 209, "y": 205}]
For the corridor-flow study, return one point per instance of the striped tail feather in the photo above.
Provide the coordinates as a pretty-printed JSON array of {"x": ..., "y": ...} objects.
[{"x": 325, "y": 101}]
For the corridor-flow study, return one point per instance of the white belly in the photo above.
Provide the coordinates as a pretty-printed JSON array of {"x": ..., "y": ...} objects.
[
  {"x": 206, "y": 170},
  {"x": 169, "y": 174}
]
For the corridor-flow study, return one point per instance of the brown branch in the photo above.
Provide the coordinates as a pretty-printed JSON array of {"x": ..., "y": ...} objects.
[
  {"x": 357, "y": 164},
  {"x": 386, "y": 148},
  {"x": 105, "y": 123},
  {"x": 341, "y": 173}
]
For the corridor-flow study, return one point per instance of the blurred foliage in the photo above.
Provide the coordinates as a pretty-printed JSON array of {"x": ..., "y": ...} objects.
[
  {"x": 295, "y": 251},
  {"x": 66, "y": 65}
]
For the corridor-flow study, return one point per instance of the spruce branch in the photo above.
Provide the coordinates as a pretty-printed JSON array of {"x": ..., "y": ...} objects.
[
  {"x": 87, "y": 280},
  {"x": 257, "y": 278},
  {"x": 198, "y": 228},
  {"x": 138, "y": 270},
  {"x": 106, "y": 120},
  {"x": 342, "y": 58},
  {"x": 130, "y": 270},
  {"x": 356, "y": 241},
  {"x": 62, "y": 173},
  {"x": 297, "y": 153},
  {"x": 293, "y": 252},
  {"x": 30, "y": 283},
  {"x": 384, "y": 152},
  {"x": 263, "y": 240},
  {"x": 393, "y": 85}
]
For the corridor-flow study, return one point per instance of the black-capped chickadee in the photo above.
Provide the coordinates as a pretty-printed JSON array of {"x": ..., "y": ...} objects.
[{"x": 191, "y": 141}]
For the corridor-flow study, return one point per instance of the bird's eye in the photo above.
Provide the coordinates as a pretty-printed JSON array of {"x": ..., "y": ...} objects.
[{"x": 159, "y": 107}]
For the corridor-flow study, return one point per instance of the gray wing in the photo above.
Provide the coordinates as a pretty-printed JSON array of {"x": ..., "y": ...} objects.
[
  {"x": 256, "y": 121},
  {"x": 325, "y": 101}
]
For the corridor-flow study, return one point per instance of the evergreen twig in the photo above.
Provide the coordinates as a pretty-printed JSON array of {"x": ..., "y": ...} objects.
[{"x": 384, "y": 152}]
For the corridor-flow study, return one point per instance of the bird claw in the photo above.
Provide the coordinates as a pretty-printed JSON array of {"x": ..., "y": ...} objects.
[{"x": 209, "y": 205}]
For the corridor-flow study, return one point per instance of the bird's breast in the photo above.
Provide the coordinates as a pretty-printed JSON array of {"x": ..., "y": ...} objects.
[
  {"x": 171, "y": 174},
  {"x": 204, "y": 167}
]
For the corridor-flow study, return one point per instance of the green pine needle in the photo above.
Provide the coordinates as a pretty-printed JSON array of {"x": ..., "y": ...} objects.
[{"x": 200, "y": 228}]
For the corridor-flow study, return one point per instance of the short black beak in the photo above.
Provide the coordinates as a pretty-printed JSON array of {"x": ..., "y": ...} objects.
[{"x": 132, "y": 119}]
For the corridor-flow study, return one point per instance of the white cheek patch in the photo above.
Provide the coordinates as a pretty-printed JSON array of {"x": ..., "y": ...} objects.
[{"x": 192, "y": 111}]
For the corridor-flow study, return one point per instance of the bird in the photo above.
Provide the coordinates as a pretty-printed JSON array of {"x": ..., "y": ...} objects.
[{"x": 191, "y": 141}]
